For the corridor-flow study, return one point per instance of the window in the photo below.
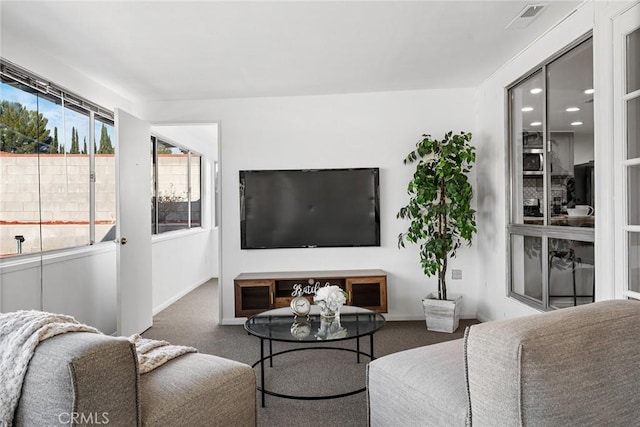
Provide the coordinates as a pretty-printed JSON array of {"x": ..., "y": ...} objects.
[
  {"x": 176, "y": 187},
  {"x": 552, "y": 169},
  {"x": 56, "y": 191}
]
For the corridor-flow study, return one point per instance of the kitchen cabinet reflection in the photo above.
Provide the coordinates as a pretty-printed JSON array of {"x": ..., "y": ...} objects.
[
  {"x": 564, "y": 220},
  {"x": 570, "y": 197}
]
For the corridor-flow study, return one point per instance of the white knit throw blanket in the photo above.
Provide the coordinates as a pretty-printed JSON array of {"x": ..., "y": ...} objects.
[
  {"x": 154, "y": 353},
  {"x": 20, "y": 333}
]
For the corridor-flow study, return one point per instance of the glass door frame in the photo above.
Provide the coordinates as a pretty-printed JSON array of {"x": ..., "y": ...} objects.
[{"x": 623, "y": 24}]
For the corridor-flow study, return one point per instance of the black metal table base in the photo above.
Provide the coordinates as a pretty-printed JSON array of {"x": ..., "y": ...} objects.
[{"x": 263, "y": 359}]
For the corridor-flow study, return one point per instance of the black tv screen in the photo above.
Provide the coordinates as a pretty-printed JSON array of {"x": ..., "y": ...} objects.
[{"x": 309, "y": 208}]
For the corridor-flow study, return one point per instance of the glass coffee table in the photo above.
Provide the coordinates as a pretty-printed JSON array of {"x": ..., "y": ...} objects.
[{"x": 311, "y": 332}]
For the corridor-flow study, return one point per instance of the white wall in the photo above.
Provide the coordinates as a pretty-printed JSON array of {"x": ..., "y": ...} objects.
[
  {"x": 82, "y": 282},
  {"x": 356, "y": 130},
  {"x": 14, "y": 49},
  {"x": 492, "y": 163},
  {"x": 182, "y": 261}
]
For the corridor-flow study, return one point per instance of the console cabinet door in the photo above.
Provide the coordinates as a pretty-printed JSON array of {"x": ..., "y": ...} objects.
[
  {"x": 253, "y": 296},
  {"x": 368, "y": 292}
]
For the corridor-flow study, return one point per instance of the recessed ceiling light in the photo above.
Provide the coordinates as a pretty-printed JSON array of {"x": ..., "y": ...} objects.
[
  {"x": 536, "y": 90},
  {"x": 576, "y": 123},
  {"x": 572, "y": 109},
  {"x": 536, "y": 123},
  {"x": 588, "y": 91},
  {"x": 525, "y": 109}
]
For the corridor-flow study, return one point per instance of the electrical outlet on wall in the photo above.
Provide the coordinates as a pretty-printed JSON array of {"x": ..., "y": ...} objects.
[{"x": 456, "y": 274}]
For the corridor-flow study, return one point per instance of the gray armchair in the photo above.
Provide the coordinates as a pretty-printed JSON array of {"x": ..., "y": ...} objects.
[
  {"x": 576, "y": 366},
  {"x": 83, "y": 378}
]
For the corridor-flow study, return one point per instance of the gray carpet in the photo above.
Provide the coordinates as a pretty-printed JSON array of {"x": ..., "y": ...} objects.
[{"x": 193, "y": 321}]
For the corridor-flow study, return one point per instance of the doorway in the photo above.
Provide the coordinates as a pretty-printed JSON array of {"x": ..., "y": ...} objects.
[{"x": 185, "y": 258}]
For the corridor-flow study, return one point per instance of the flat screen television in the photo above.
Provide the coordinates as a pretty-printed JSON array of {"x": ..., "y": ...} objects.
[{"x": 309, "y": 208}]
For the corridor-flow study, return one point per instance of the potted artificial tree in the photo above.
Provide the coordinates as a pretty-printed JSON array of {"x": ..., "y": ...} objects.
[{"x": 441, "y": 216}]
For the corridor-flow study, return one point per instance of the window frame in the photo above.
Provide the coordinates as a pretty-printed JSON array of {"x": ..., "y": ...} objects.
[
  {"x": 623, "y": 25},
  {"x": 42, "y": 87},
  {"x": 545, "y": 231},
  {"x": 155, "y": 224}
]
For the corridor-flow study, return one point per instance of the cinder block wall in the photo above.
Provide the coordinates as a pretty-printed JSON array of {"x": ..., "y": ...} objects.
[{"x": 48, "y": 195}]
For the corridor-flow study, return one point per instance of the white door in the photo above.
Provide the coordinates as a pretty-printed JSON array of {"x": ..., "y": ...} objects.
[
  {"x": 626, "y": 38},
  {"x": 133, "y": 223}
]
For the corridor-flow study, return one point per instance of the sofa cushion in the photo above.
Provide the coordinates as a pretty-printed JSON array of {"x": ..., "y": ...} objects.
[
  {"x": 425, "y": 384},
  {"x": 199, "y": 390},
  {"x": 575, "y": 366},
  {"x": 90, "y": 377}
]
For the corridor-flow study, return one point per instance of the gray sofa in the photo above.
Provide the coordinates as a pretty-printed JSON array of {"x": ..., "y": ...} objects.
[
  {"x": 82, "y": 378},
  {"x": 571, "y": 367}
]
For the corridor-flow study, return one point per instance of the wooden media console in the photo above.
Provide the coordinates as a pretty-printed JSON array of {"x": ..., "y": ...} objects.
[{"x": 258, "y": 292}]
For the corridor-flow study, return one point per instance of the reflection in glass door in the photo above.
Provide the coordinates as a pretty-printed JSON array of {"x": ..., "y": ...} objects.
[
  {"x": 527, "y": 112},
  {"x": 570, "y": 147},
  {"x": 527, "y": 268},
  {"x": 571, "y": 273}
]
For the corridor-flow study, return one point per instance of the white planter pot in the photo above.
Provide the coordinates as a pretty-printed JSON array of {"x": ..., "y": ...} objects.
[{"x": 442, "y": 315}]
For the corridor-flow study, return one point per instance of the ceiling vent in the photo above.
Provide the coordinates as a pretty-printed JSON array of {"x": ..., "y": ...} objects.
[{"x": 526, "y": 16}]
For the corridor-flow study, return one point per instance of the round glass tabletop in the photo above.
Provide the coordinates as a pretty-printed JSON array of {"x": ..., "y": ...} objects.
[{"x": 281, "y": 325}]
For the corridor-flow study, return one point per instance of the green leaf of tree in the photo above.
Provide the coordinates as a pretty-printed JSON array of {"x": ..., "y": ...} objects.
[{"x": 439, "y": 207}]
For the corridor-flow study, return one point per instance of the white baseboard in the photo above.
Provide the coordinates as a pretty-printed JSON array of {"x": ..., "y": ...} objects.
[
  {"x": 233, "y": 321},
  {"x": 483, "y": 319},
  {"x": 176, "y": 297},
  {"x": 403, "y": 317}
]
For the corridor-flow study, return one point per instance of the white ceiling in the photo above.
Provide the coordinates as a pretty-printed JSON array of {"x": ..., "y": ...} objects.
[{"x": 171, "y": 50}]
